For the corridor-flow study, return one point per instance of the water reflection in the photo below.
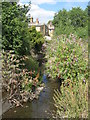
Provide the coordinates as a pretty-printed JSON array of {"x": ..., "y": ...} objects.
[{"x": 44, "y": 78}]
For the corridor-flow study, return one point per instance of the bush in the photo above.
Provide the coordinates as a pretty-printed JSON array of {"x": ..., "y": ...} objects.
[
  {"x": 31, "y": 64},
  {"x": 68, "y": 60},
  {"x": 82, "y": 32},
  {"x": 15, "y": 33},
  {"x": 17, "y": 80},
  {"x": 72, "y": 102},
  {"x": 36, "y": 39},
  {"x": 64, "y": 30}
]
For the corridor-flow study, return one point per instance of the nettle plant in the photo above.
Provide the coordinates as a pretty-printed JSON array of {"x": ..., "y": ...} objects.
[
  {"x": 69, "y": 60},
  {"x": 17, "y": 80}
]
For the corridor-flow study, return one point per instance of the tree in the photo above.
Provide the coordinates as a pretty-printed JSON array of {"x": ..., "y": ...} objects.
[
  {"x": 62, "y": 16},
  {"x": 73, "y": 21},
  {"x": 36, "y": 38},
  {"x": 15, "y": 33},
  {"x": 78, "y": 17},
  {"x": 62, "y": 23}
]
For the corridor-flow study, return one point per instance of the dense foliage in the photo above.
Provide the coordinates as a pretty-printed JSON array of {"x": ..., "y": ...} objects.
[
  {"x": 18, "y": 82},
  {"x": 72, "y": 102},
  {"x": 67, "y": 58},
  {"x": 72, "y": 21},
  {"x": 20, "y": 75},
  {"x": 15, "y": 34},
  {"x": 36, "y": 39},
  {"x": 68, "y": 61}
]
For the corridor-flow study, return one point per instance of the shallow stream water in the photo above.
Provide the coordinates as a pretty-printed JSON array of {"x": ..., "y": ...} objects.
[{"x": 39, "y": 108}]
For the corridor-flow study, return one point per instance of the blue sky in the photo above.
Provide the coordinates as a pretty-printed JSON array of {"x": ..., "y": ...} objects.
[
  {"x": 59, "y": 6},
  {"x": 45, "y": 9}
]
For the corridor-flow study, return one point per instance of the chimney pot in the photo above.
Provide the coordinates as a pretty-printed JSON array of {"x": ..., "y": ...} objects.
[
  {"x": 31, "y": 20},
  {"x": 37, "y": 21}
]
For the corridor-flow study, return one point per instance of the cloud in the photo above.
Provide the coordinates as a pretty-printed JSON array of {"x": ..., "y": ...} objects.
[
  {"x": 36, "y": 12},
  {"x": 39, "y": 1},
  {"x": 50, "y": 1},
  {"x": 43, "y": 15},
  {"x": 43, "y": 1},
  {"x": 24, "y": 1}
]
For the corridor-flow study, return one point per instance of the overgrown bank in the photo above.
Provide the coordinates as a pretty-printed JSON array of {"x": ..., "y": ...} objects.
[
  {"x": 67, "y": 57},
  {"x": 20, "y": 69},
  {"x": 68, "y": 62}
]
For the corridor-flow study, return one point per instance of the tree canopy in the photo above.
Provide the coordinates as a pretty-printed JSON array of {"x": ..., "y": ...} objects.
[
  {"x": 72, "y": 21},
  {"x": 15, "y": 34}
]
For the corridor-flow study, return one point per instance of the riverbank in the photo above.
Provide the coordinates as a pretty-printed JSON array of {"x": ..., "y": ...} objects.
[
  {"x": 43, "y": 107},
  {"x": 34, "y": 95},
  {"x": 28, "y": 96}
]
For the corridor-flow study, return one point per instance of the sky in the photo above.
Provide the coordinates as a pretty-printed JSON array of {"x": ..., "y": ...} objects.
[{"x": 45, "y": 10}]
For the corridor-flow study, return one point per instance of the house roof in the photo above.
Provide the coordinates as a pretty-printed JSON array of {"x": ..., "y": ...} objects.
[{"x": 35, "y": 24}]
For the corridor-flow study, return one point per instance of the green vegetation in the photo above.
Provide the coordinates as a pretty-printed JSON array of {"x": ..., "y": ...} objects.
[
  {"x": 18, "y": 81},
  {"x": 67, "y": 58},
  {"x": 20, "y": 66},
  {"x": 15, "y": 33},
  {"x": 68, "y": 61},
  {"x": 36, "y": 39},
  {"x": 72, "y": 21},
  {"x": 72, "y": 102}
]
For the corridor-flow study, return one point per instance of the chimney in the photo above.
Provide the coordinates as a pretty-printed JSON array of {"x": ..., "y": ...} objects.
[
  {"x": 50, "y": 23},
  {"x": 37, "y": 21},
  {"x": 31, "y": 20}
]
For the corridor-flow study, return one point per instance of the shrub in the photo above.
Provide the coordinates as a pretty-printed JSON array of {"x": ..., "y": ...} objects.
[
  {"x": 68, "y": 60},
  {"x": 82, "y": 32},
  {"x": 72, "y": 102},
  {"x": 15, "y": 33},
  {"x": 31, "y": 64},
  {"x": 17, "y": 80},
  {"x": 36, "y": 38}
]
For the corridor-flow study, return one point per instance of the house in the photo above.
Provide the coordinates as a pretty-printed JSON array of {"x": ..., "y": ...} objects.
[
  {"x": 46, "y": 30},
  {"x": 50, "y": 28}
]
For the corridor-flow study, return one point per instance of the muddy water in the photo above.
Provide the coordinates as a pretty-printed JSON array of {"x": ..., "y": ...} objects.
[{"x": 41, "y": 108}]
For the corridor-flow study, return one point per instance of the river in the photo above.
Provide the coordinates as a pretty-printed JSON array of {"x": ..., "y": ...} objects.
[
  {"x": 39, "y": 108},
  {"x": 42, "y": 107}
]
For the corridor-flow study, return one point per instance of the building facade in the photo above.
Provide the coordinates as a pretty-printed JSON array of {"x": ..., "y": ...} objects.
[
  {"x": 46, "y": 30},
  {"x": 51, "y": 29}
]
